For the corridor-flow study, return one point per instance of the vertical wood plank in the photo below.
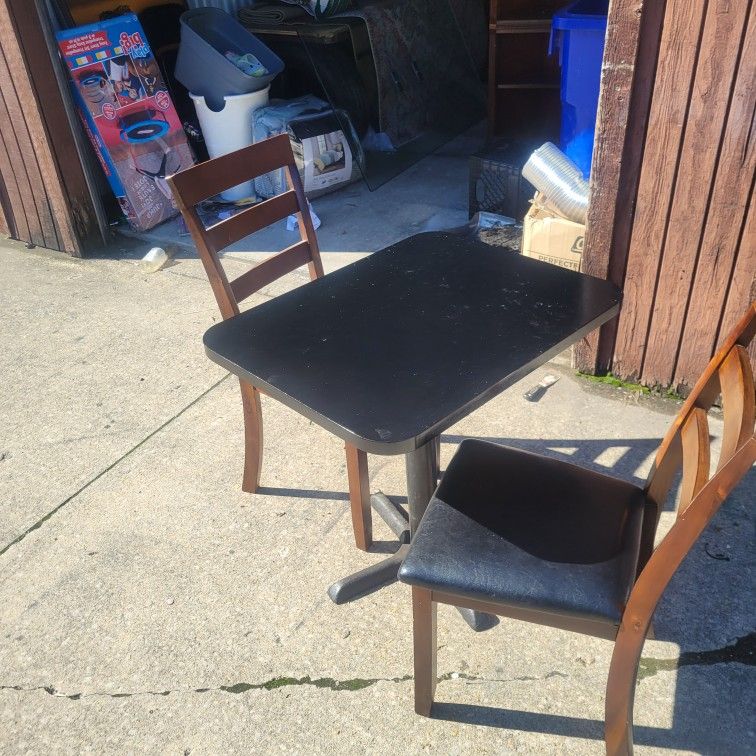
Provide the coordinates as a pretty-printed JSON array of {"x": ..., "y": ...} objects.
[
  {"x": 715, "y": 71},
  {"x": 725, "y": 225},
  {"x": 7, "y": 227},
  {"x": 694, "y": 436},
  {"x": 666, "y": 125},
  {"x": 18, "y": 112},
  {"x": 68, "y": 190},
  {"x": 742, "y": 289},
  {"x": 29, "y": 119},
  {"x": 736, "y": 380},
  {"x": 627, "y": 80},
  {"x": 15, "y": 217},
  {"x": 24, "y": 209}
]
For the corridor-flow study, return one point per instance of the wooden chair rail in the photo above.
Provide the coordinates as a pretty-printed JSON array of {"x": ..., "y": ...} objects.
[
  {"x": 729, "y": 372},
  {"x": 736, "y": 385},
  {"x": 596, "y": 628},
  {"x": 270, "y": 269},
  {"x": 205, "y": 180},
  {"x": 226, "y": 232},
  {"x": 696, "y": 456},
  {"x": 689, "y": 525},
  {"x": 208, "y": 179}
]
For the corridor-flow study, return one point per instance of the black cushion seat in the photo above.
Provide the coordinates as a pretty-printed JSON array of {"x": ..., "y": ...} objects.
[{"x": 523, "y": 530}]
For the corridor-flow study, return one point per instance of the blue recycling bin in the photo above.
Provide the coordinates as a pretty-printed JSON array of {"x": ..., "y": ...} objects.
[{"x": 578, "y": 32}]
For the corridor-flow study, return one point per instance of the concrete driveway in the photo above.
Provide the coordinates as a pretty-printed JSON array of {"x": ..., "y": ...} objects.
[{"x": 148, "y": 605}]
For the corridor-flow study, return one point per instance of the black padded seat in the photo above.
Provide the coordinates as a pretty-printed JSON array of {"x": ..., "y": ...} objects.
[{"x": 523, "y": 530}]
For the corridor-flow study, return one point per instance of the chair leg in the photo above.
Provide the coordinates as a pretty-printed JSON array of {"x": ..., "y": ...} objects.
[
  {"x": 253, "y": 437},
  {"x": 424, "y": 634},
  {"x": 359, "y": 496},
  {"x": 620, "y": 690}
]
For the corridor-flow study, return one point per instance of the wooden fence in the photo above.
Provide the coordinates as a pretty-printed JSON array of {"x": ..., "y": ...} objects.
[
  {"x": 44, "y": 198},
  {"x": 672, "y": 208}
]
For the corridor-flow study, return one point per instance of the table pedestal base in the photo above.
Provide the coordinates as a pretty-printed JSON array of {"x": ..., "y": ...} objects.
[
  {"x": 368, "y": 580},
  {"x": 385, "y": 572}
]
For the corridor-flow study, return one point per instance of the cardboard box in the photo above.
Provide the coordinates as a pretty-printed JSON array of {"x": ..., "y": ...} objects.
[
  {"x": 551, "y": 238},
  {"x": 128, "y": 115}
]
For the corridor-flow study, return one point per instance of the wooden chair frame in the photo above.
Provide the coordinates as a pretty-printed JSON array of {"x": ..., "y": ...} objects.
[
  {"x": 686, "y": 445},
  {"x": 208, "y": 179}
]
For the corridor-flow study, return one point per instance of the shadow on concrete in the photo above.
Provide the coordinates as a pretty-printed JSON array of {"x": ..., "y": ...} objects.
[
  {"x": 690, "y": 735},
  {"x": 303, "y": 493},
  {"x": 583, "y": 452},
  {"x": 309, "y": 493}
]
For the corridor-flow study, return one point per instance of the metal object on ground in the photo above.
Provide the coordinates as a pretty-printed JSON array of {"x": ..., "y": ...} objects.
[{"x": 534, "y": 394}]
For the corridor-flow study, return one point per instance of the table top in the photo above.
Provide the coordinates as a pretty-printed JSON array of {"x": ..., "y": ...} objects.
[{"x": 388, "y": 352}]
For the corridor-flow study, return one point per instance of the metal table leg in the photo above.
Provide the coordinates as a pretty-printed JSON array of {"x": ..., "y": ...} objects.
[
  {"x": 368, "y": 580},
  {"x": 422, "y": 475},
  {"x": 385, "y": 572},
  {"x": 422, "y": 471}
]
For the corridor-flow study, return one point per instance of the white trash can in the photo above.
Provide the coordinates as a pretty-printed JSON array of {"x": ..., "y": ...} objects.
[{"x": 230, "y": 129}]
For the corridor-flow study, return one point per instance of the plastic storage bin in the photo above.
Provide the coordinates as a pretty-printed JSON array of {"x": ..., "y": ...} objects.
[
  {"x": 206, "y": 35},
  {"x": 496, "y": 184},
  {"x": 578, "y": 33}
]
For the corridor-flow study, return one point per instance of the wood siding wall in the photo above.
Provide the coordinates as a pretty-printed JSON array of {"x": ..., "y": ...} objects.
[
  {"x": 681, "y": 236},
  {"x": 44, "y": 199}
]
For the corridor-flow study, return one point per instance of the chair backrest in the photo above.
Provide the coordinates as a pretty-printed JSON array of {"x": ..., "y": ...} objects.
[
  {"x": 687, "y": 445},
  {"x": 208, "y": 179}
]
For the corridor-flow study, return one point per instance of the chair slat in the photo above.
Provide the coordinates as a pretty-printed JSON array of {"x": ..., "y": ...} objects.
[
  {"x": 736, "y": 381},
  {"x": 208, "y": 179},
  {"x": 703, "y": 394},
  {"x": 270, "y": 269},
  {"x": 258, "y": 216},
  {"x": 696, "y": 456}
]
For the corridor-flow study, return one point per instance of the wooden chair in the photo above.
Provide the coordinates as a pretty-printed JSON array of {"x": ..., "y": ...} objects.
[
  {"x": 541, "y": 540},
  {"x": 209, "y": 179}
]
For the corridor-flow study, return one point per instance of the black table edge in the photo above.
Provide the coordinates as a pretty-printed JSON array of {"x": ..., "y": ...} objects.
[{"x": 407, "y": 445}]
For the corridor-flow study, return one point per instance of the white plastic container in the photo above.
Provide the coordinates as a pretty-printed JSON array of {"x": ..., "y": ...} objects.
[{"x": 230, "y": 129}]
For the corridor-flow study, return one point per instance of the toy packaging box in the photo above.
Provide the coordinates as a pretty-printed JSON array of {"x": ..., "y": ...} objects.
[{"x": 127, "y": 114}]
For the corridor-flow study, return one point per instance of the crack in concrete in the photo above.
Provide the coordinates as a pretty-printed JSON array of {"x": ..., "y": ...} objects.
[
  {"x": 743, "y": 651},
  {"x": 39, "y": 523},
  {"x": 328, "y": 683},
  {"x": 353, "y": 684}
]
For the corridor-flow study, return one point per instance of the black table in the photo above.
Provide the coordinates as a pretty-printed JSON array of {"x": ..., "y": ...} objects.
[{"x": 390, "y": 351}]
